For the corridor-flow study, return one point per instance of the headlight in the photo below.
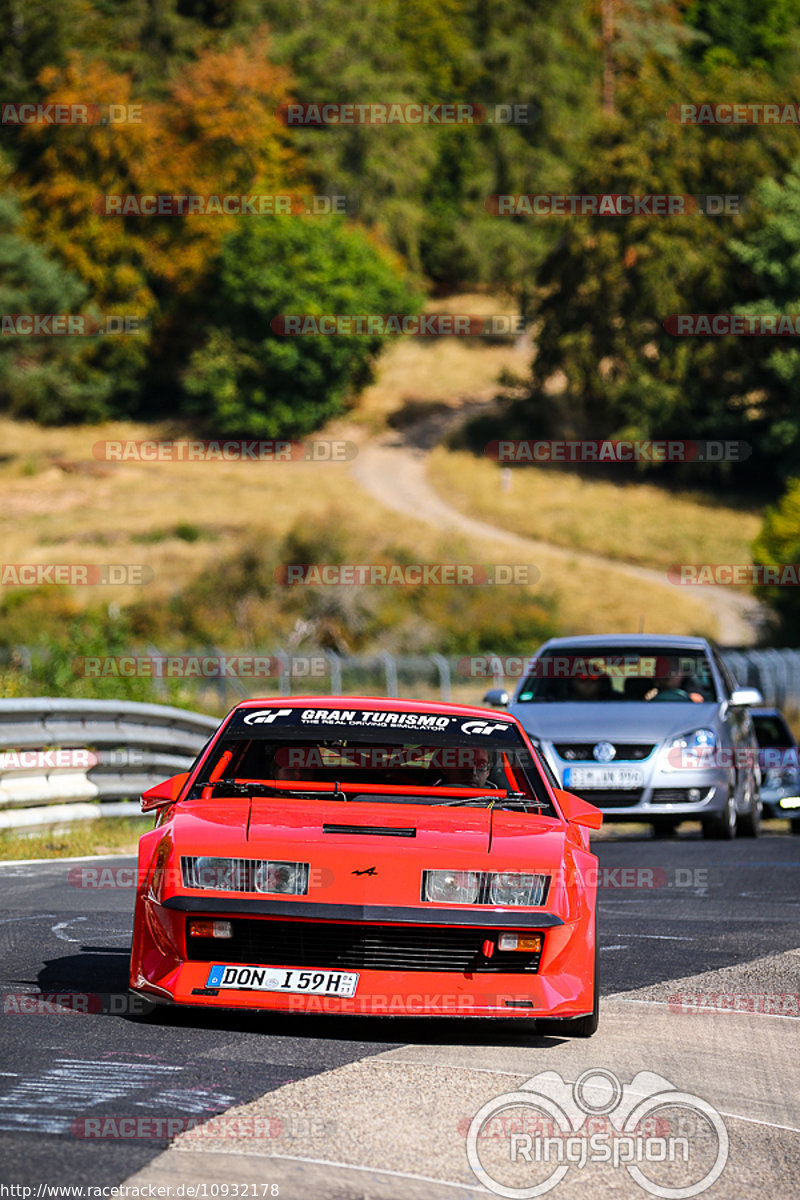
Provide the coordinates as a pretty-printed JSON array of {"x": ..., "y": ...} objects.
[
  {"x": 451, "y": 887},
  {"x": 287, "y": 877},
  {"x": 692, "y": 751},
  {"x": 485, "y": 887},
  {"x": 244, "y": 875},
  {"x": 509, "y": 887}
]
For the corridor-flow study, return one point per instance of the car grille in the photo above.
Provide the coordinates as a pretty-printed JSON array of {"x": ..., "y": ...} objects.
[
  {"x": 334, "y": 944},
  {"x": 626, "y": 751},
  {"x": 624, "y": 798}
]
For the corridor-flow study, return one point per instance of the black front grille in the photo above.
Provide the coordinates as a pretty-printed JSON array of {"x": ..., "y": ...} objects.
[
  {"x": 335, "y": 945},
  {"x": 582, "y": 751},
  {"x": 624, "y": 798}
]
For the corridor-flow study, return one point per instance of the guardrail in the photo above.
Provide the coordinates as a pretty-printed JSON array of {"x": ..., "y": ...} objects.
[{"x": 67, "y": 760}]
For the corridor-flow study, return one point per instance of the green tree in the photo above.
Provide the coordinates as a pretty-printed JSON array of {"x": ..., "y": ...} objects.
[
  {"x": 247, "y": 379},
  {"x": 424, "y": 187},
  {"x": 778, "y": 544},
  {"x": 771, "y": 370},
  {"x": 744, "y": 32},
  {"x": 605, "y": 364},
  {"x": 46, "y": 378}
]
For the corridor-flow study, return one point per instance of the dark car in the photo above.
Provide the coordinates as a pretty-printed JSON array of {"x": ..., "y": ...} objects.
[{"x": 780, "y": 768}]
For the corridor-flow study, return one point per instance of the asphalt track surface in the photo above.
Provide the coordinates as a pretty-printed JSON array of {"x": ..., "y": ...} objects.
[{"x": 700, "y": 972}]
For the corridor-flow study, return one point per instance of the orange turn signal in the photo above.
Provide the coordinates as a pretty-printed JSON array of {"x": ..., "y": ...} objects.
[
  {"x": 529, "y": 942},
  {"x": 206, "y": 928}
]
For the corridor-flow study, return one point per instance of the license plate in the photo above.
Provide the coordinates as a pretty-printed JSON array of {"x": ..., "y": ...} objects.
[
  {"x": 279, "y": 979},
  {"x": 603, "y": 777}
]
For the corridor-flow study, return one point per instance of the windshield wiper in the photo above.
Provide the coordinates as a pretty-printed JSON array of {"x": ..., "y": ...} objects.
[
  {"x": 245, "y": 788},
  {"x": 465, "y": 800},
  {"x": 249, "y": 787}
]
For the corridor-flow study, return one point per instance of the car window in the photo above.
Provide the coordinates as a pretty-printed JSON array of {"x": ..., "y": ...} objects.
[
  {"x": 771, "y": 730},
  {"x": 620, "y": 673}
]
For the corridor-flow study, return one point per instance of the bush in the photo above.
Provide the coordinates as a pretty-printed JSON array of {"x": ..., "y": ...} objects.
[{"x": 246, "y": 379}]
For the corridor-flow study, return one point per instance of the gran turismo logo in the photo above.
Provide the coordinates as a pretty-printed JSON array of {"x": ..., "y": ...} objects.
[
  {"x": 265, "y": 716},
  {"x": 484, "y": 727}
]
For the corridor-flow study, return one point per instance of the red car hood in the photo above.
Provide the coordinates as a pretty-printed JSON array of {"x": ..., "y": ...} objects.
[{"x": 371, "y": 853}]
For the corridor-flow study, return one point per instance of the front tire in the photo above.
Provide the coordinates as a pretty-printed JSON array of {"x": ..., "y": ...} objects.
[
  {"x": 749, "y": 824},
  {"x": 722, "y": 826}
]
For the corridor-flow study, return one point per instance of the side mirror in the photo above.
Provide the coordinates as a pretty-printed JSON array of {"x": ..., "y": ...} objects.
[
  {"x": 746, "y": 697},
  {"x": 164, "y": 793},
  {"x": 497, "y": 697},
  {"x": 578, "y": 811}
]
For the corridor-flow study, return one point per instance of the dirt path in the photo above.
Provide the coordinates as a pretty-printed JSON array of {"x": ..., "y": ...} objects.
[{"x": 393, "y": 469}]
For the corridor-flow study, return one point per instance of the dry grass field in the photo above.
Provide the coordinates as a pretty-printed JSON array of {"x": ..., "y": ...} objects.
[{"x": 63, "y": 505}]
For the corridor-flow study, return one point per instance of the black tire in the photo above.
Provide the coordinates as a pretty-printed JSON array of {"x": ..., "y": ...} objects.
[
  {"x": 664, "y": 826},
  {"x": 577, "y": 1027},
  {"x": 749, "y": 823},
  {"x": 794, "y": 827},
  {"x": 722, "y": 826}
]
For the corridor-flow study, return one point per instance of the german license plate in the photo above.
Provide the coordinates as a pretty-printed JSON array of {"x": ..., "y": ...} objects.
[
  {"x": 280, "y": 979},
  {"x": 603, "y": 777}
]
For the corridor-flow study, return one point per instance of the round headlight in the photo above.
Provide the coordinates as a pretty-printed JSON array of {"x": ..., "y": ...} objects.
[{"x": 452, "y": 887}]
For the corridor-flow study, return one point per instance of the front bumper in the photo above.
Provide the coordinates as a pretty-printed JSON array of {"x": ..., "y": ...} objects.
[
  {"x": 685, "y": 794},
  {"x": 781, "y": 802},
  {"x": 561, "y": 985}
]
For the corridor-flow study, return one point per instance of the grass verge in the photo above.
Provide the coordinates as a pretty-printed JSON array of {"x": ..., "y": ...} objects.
[{"x": 106, "y": 835}]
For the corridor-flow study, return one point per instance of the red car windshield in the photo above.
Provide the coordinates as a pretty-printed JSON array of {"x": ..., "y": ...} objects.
[{"x": 380, "y": 764}]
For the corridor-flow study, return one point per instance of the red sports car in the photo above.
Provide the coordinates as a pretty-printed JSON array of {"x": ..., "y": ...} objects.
[{"x": 370, "y": 856}]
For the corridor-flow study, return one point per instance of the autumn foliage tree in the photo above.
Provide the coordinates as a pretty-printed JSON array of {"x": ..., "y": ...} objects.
[{"x": 216, "y": 133}]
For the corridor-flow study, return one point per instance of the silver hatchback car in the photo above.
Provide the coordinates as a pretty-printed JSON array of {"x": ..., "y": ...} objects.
[{"x": 648, "y": 728}]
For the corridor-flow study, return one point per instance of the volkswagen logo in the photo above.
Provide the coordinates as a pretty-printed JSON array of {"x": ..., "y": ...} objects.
[{"x": 603, "y": 752}]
